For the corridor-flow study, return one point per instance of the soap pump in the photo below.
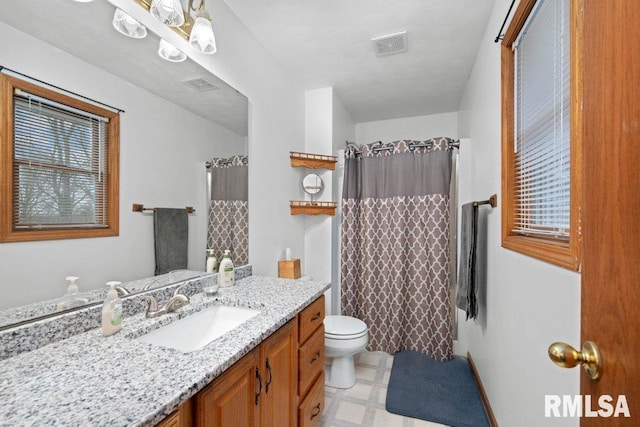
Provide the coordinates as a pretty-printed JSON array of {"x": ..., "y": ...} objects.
[
  {"x": 226, "y": 274},
  {"x": 112, "y": 311},
  {"x": 212, "y": 262},
  {"x": 71, "y": 297}
]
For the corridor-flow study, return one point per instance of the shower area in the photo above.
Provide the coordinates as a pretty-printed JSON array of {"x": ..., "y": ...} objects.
[
  {"x": 228, "y": 208},
  {"x": 396, "y": 234}
]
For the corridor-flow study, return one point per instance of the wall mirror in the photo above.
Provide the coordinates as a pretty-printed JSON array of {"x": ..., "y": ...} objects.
[
  {"x": 85, "y": 31},
  {"x": 312, "y": 184}
]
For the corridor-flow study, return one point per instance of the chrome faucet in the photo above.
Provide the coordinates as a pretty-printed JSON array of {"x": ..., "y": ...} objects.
[
  {"x": 122, "y": 291},
  {"x": 176, "y": 302}
]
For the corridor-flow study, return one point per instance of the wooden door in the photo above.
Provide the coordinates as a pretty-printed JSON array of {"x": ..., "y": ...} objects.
[
  {"x": 230, "y": 400},
  {"x": 611, "y": 203},
  {"x": 279, "y": 365}
]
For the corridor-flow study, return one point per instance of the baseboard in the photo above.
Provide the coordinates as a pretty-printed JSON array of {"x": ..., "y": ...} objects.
[{"x": 483, "y": 394}]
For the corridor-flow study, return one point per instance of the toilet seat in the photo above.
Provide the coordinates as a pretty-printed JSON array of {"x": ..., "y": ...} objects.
[{"x": 344, "y": 328}]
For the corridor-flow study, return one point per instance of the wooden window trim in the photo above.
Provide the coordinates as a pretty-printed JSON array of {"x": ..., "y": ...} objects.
[
  {"x": 7, "y": 231},
  {"x": 563, "y": 253}
]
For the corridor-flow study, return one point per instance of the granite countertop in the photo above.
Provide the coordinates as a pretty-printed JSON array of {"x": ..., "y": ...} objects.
[{"x": 89, "y": 379}]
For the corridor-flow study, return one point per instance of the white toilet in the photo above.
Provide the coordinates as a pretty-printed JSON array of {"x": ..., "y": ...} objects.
[{"x": 344, "y": 337}]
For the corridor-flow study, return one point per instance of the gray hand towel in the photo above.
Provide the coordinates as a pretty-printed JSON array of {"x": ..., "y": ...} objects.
[
  {"x": 467, "y": 295},
  {"x": 171, "y": 233}
]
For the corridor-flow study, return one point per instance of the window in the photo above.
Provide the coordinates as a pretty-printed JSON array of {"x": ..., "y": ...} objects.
[
  {"x": 541, "y": 132},
  {"x": 59, "y": 167}
]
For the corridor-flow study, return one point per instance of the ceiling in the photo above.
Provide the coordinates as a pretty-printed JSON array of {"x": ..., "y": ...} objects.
[
  {"x": 323, "y": 43},
  {"x": 59, "y": 22},
  {"x": 328, "y": 43}
]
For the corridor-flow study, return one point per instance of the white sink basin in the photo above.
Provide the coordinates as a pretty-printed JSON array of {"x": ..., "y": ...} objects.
[{"x": 199, "y": 329}]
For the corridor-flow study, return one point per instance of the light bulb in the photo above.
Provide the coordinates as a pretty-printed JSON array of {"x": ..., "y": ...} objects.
[
  {"x": 170, "y": 52},
  {"x": 128, "y": 25},
  {"x": 169, "y": 12},
  {"x": 202, "y": 38}
]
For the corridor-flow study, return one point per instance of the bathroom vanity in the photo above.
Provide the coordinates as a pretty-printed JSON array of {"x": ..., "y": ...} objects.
[{"x": 268, "y": 371}]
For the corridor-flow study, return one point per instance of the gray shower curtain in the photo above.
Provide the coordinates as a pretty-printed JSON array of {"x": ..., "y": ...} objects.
[
  {"x": 395, "y": 246},
  {"x": 229, "y": 209}
]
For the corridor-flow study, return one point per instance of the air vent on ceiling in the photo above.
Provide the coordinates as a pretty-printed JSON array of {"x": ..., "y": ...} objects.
[
  {"x": 201, "y": 85},
  {"x": 390, "y": 43}
]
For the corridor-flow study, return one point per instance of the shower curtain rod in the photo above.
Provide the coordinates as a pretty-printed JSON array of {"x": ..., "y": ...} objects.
[{"x": 412, "y": 146}]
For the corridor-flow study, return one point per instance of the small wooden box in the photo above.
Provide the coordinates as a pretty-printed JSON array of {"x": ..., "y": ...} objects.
[{"x": 289, "y": 269}]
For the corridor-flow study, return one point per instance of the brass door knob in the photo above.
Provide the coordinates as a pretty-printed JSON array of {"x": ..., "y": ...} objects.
[{"x": 565, "y": 356}]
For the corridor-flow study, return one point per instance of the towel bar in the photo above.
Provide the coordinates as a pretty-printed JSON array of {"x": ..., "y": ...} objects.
[
  {"x": 493, "y": 201},
  {"x": 140, "y": 208}
]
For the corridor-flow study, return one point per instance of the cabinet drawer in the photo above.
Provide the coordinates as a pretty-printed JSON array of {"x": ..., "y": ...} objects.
[
  {"x": 310, "y": 360},
  {"x": 312, "y": 406},
  {"x": 310, "y": 319}
]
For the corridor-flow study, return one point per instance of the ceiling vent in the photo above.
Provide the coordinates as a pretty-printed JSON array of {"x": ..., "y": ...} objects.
[
  {"x": 390, "y": 43},
  {"x": 201, "y": 85}
]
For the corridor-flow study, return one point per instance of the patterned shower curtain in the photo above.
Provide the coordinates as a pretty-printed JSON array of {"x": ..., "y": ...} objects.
[
  {"x": 395, "y": 245},
  {"x": 228, "y": 208}
]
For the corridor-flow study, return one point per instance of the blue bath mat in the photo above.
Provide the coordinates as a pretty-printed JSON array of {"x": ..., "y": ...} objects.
[{"x": 441, "y": 392}]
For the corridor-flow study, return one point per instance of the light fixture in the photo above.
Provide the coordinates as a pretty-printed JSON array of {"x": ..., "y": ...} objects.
[
  {"x": 169, "y": 12},
  {"x": 127, "y": 25},
  {"x": 169, "y": 52},
  {"x": 202, "y": 38},
  {"x": 83, "y": 1},
  {"x": 198, "y": 31}
]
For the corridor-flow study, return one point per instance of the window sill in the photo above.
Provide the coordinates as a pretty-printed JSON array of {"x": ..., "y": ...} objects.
[
  {"x": 555, "y": 252},
  {"x": 34, "y": 235}
]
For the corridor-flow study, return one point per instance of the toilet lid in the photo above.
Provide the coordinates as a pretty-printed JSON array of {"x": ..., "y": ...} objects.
[{"x": 343, "y": 325}]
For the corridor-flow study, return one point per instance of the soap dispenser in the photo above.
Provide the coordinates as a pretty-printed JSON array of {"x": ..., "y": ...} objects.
[
  {"x": 71, "y": 298},
  {"x": 212, "y": 262},
  {"x": 112, "y": 311},
  {"x": 226, "y": 274}
]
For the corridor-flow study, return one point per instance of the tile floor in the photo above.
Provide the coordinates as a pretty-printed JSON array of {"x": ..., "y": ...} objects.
[{"x": 363, "y": 404}]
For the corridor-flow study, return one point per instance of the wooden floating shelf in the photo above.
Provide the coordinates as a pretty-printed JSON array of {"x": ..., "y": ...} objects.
[
  {"x": 312, "y": 161},
  {"x": 306, "y": 207}
]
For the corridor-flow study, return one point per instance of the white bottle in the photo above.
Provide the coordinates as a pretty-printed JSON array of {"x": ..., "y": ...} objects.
[
  {"x": 111, "y": 311},
  {"x": 212, "y": 262},
  {"x": 71, "y": 298},
  {"x": 226, "y": 274}
]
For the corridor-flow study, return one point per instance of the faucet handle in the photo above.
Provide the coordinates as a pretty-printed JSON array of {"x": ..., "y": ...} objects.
[
  {"x": 153, "y": 303},
  {"x": 178, "y": 289}
]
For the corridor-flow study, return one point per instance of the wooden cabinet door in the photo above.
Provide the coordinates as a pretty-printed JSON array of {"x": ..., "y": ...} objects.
[
  {"x": 279, "y": 368},
  {"x": 230, "y": 400}
]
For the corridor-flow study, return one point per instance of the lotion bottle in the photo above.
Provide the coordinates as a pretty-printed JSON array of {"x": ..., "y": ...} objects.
[
  {"x": 212, "y": 262},
  {"x": 226, "y": 274},
  {"x": 71, "y": 298},
  {"x": 111, "y": 311}
]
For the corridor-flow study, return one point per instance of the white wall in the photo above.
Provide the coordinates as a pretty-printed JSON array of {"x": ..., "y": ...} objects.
[
  {"x": 318, "y": 139},
  {"x": 528, "y": 304},
  {"x": 163, "y": 148},
  {"x": 343, "y": 130},
  {"x": 327, "y": 126},
  {"x": 416, "y": 128}
]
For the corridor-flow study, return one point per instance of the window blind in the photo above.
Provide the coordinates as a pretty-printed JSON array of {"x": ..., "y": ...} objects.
[
  {"x": 60, "y": 161},
  {"x": 542, "y": 122}
]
